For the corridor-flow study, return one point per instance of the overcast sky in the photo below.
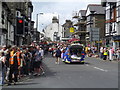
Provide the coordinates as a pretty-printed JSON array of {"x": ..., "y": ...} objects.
[{"x": 61, "y": 8}]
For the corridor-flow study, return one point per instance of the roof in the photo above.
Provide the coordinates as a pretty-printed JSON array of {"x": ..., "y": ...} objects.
[
  {"x": 82, "y": 12},
  {"x": 96, "y": 8}
]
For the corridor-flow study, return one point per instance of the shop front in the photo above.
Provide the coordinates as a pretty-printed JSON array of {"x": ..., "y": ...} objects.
[{"x": 116, "y": 41}]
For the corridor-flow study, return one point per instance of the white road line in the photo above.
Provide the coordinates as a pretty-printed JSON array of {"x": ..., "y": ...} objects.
[
  {"x": 87, "y": 65},
  {"x": 100, "y": 69}
]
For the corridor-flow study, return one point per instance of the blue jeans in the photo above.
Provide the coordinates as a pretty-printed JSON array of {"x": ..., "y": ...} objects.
[
  {"x": 3, "y": 74},
  {"x": 101, "y": 55}
]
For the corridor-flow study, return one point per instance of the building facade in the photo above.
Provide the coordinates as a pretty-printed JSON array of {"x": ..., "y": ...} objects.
[
  {"x": 6, "y": 25},
  {"x": 112, "y": 9},
  {"x": 9, "y": 11},
  {"x": 66, "y": 30},
  {"x": 54, "y": 30},
  {"x": 117, "y": 38},
  {"x": 81, "y": 26},
  {"x": 95, "y": 22}
]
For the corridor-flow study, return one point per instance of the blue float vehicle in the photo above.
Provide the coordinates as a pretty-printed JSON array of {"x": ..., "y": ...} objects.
[{"x": 74, "y": 53}]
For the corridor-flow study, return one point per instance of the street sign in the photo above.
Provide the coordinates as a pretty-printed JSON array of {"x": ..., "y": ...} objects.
[
  {"x": 95, "y": 34},
  {"x": 72, "y": 29},
  {"x": 95, "y": 39}
]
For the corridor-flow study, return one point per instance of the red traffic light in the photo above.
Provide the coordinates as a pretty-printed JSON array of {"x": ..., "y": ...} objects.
[{"x": 20, "y": 21}]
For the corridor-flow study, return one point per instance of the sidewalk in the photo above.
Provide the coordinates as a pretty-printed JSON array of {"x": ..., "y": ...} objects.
[
  {"x": 20, "y": 80},
  {"x": 97, "y": 56}
]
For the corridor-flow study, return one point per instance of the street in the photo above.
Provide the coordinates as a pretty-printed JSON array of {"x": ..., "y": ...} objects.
[
  {"x": 95, "y": 73},
  {"x": 35, "y": 34}
]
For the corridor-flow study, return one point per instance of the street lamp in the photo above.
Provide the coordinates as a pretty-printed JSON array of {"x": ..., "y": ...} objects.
[
  {"x": 58, "y": 37},
  {"x": 37, "y": 23},
  {"x": 37, "y": 20}
]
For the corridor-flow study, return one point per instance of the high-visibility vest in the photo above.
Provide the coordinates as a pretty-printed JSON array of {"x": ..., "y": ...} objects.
[
  {"x": 11, "y": 60},
  {"x": 18, "y": 58},
  {"x": 105, "y": 53}
]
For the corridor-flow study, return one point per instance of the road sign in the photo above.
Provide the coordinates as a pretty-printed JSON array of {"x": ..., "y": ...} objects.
[
  {"x": 95, "y": 39},
  {"x": 72, "y": 29},
  {"x": 95, "y": 36}
]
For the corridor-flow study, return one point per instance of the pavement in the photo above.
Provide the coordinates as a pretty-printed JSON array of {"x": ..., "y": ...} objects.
[
  {"x": 97, "y": 56},
  {"x": 95, "y": 73}
]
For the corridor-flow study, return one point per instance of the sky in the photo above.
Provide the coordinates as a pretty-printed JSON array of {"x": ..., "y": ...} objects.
[{"x": 62, "y": 9}]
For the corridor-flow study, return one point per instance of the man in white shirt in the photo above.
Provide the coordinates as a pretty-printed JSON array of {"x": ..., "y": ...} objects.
[{"x": 42, "y": 52}]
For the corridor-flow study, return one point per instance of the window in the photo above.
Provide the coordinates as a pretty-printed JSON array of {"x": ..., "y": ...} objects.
[
  {"x": 107, "y": 28},
  {"x": 88, "y": 19},
  {"x": 108, "y": 14}
]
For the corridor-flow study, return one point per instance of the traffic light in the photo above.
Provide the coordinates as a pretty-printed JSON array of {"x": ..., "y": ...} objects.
[{"x": 20, "y": 26}]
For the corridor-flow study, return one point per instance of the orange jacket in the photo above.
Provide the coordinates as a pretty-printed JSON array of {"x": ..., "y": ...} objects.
[
  {"x": 11, "y": 60},
  {"x": 18, "y": 58}
]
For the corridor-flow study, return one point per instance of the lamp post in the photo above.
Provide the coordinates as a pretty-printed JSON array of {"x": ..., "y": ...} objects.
[
  {"x": 37, "y": 23},
  {"x": 58, "y": 37},
  {"x": 37, "y": 20}
]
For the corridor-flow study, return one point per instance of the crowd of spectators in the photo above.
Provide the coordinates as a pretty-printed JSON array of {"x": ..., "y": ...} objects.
[
  {"x": 18, "y": 62},
  {"x": 105, "y": 53}
]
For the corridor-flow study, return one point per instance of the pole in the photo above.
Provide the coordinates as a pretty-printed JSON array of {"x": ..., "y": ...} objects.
[
  {"x": 98, "y": 45},
  {"x": 36, "y": 22},
  {"x": 36, "y": 27},
  {"x": 58, "y": 27},
  {"x": 99, "y": 41}
]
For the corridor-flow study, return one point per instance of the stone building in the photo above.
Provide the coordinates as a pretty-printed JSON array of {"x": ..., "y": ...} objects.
[
  {"x": 95, "y": 19},
  {"x": 66, "y": 30},
  {"x": 112, "y": 22},
  {"x": 54, "y": 30},
  {"x": 10, "y": 11}
]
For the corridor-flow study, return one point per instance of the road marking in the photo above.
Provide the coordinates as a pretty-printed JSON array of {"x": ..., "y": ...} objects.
[
  {"x": 97, "y": 68},
  {"x": 100, "y": 69},
  {"x": 87, "y": 65}
]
